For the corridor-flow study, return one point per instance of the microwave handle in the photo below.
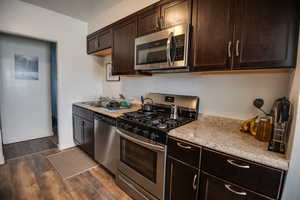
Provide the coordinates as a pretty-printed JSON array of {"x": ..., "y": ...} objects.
[{"x": 169, "y": 48}]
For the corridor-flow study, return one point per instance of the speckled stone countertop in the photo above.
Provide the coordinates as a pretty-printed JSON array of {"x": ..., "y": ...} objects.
[
  {"x": 113, "y": 114},
  {"x": 223, "y": 135}
]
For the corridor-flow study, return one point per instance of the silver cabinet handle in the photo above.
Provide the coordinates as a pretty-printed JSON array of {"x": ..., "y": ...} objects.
[
  {"x": 183, "y": 146},
  {"x": 237, "y": 48},
  {"x": 228, "y": 187},
  {"x": 237, "y": 165},
  {"x": 195, "y": 182},
  {"x": 229, "y": 49},
  {"x": 157, "y": 23}
]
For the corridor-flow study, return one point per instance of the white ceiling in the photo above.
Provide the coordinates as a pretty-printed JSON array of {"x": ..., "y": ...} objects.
[{"x": 79, "y": 9}]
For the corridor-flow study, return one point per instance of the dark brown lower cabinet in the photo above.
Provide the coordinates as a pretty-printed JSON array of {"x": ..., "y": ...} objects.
[
  {"x": 88, "y": 137},
  {"x": 83, "y": 134},
  {"x": 181, "y": 180},
  {"x": 213, "y": 188},
  {"x": 77, "y": 130}
]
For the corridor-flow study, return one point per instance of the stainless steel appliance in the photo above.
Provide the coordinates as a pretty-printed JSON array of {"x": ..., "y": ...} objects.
[
  {"x": 163, "y": 51},
  {"x": 143, "y": 138},
  {"x": 107, "y": 142}
]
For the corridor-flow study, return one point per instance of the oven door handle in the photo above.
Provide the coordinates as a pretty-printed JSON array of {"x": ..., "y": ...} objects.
[
  {"x": 145, "y": 144},
  {"x": 169, "y": 48}
]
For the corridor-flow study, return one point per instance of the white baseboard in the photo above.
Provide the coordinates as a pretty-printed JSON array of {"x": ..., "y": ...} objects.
[{"x": 66, "y": 146}]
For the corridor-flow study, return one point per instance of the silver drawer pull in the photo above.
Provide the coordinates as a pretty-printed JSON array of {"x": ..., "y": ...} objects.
[
  {"x": 195, "y": 182},
  {"x": 228, "y": 187},
  {"x": 237, "y": 165},
  {"x": 183, "y": 146}
]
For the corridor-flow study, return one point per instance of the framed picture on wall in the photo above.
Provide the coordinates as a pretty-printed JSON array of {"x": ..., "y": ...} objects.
[
  {"x": 26, "y": 68},
  {"x": 109, "y": 76}
]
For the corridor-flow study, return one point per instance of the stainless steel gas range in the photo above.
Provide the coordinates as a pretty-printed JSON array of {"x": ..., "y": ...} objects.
[{"x": 143, "y": 139}]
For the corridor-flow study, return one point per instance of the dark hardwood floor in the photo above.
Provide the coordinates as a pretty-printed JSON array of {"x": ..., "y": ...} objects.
[
  {"x": 16, "y": 150},
  {"x": 32, "y": 177}
]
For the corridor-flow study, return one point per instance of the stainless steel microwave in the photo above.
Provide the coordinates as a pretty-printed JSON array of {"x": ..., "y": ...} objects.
[{"x": 164, "y": 50}]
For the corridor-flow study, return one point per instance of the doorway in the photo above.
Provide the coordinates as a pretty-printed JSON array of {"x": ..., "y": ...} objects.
[{"x": 28, "y": 91}]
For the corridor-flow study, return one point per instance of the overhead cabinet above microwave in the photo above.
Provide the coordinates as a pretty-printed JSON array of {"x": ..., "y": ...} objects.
[
  {"x": 225, "y": 35},
  {"x": 164, "y": 15}
]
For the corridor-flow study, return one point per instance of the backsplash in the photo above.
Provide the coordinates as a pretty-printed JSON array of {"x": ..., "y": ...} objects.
[{"x": 229, "y": 95}]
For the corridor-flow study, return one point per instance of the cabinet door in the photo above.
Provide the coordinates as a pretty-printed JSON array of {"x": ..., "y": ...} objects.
[
  {"x": 77, "y": 130},
  {"x": 176, "y": 13},
  {"x": 92, "y": 44},
  {"x": 213, "y": 188},
  {"x": 181, "y": 181},
  {"x": 212, "y": 35},
  {"x": 105, "y": 39},
  {"x": 266, "y": 34},
  {"x": 88, "y": 137},
  {"x": 123, "y": 47},
  {"x": 148, "y": 21}
]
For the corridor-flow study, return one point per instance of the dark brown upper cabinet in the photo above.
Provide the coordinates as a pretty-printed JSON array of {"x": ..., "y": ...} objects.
[
  {"x": 244, "y": 34},
  {"x": 165, "y": 15},
  {"x": 124, "y": 34},
  {"x": 175, "y": 13},
  {"x": 266, "y": 34},
  {"x": 99, "y": 41},
  {"x": 92, "y": 44},
  {"x": 212, "y": 34},
  {"x": 148, "y": 21}
]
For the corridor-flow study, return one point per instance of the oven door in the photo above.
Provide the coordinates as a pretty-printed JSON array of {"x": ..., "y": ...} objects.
[
  {"x": 142, "y": 162},
  {"x": 167, "y": 49}
]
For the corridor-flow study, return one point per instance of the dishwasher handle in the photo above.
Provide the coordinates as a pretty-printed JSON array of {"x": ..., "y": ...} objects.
[{"x": 106, "y": 119}]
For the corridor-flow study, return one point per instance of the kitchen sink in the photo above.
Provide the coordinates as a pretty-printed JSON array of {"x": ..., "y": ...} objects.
[{"x": 94, "y": 103}]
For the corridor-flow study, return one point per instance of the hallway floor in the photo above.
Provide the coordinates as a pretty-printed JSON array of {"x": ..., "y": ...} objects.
[
  {"x": 19, "y": 149},
  {"x": 33, "y": 177}
]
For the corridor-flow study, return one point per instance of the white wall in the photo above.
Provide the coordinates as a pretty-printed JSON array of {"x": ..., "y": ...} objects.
[
  {"x": 24, "y": 102},
  {"x": 291, "y": 189},
  {"x": 78, "y": 77}
]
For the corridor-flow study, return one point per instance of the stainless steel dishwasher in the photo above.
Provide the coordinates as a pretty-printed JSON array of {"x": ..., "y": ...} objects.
[{"x": 107, "y": 142}]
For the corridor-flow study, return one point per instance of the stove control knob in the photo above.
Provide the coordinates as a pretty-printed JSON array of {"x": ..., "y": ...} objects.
[
  {"x": 146, "y": 133},
  {"x": 127, "y": 126},
  {"x": 121, "y": 125},
  {"x": 154, "y": 136},
  {"x": 136, "y": 129}
]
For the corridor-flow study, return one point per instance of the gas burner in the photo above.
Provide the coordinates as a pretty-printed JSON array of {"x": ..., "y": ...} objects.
[{"x": 155, "y": 119}]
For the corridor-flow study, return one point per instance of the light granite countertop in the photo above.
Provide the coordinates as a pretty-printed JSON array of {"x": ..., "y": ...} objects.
[
  {"x": 106, "y": 112},
  {"x": 223, "y": 135}
]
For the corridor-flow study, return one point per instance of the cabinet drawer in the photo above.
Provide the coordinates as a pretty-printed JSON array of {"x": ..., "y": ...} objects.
[
  {"x": 216, "y": 188},
  {"x": 256, "y": 177},
  {"x": 84, "y": 113},
  {"x": 185, "y": 152}
]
